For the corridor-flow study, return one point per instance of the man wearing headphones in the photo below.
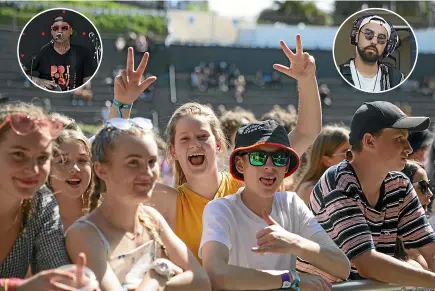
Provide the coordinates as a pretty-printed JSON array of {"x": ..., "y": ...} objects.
[
  {"x": 375, "y": 39},
  {"x": 60, "y": 65}
]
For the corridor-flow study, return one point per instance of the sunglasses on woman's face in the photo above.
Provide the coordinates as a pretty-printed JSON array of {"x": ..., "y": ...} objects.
[
  {"x": 259, "y": 158},
  {"x": 424, "y": 186},
  {"x": 57, "y": 27},
  {"x": 370, "y": 34},
  {"x": 22, "y": 124}
]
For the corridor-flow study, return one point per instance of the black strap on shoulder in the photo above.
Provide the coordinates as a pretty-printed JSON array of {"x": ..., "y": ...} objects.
[
  {"x": 73, "y": 65},
  {"x": 345, "y": 71}
]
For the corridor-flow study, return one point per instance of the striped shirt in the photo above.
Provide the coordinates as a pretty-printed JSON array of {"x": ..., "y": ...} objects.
[{"x": 356, "y": 226}]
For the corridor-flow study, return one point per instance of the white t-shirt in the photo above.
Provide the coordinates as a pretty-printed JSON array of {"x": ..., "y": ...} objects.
[
  {"x": 363, "y": 83},
  {"x": 228, "y": 221}
]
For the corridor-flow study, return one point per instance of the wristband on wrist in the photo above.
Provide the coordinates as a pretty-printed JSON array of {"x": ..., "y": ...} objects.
[
  {"x": 120, "y": 106},
  {"x": 286, "y": 283},
  {"x": 295, "y": 280},
  {"x": 9, "y": 284}
]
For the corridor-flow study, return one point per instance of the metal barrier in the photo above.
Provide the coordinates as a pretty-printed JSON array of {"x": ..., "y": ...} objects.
[{"x": 359, "y": 285}]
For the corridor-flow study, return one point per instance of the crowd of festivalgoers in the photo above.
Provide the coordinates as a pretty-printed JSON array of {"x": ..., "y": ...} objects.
[
  {"x": 298, "y": 206},
  {"x": 229, "y": 78}
]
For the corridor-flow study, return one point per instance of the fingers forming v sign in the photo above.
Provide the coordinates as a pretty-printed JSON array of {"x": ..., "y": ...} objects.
[
  {"x": 302, "y": 65},
  {"x": 129, "y": 84}
]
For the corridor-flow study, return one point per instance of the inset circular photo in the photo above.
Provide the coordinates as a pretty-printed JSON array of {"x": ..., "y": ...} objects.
[
  {"x": 375, "y": 50},
  {"x": 59, "y": 50}
]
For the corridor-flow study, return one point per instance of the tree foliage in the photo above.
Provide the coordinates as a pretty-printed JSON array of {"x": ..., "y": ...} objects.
[
  {"x": 293, "y": 12},
  {"x": 120, "y": 17}
]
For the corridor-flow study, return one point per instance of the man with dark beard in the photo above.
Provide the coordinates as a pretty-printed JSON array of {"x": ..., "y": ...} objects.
[
  {"x": 374, "y": 39},
  {"x": 60, "y": 65}
]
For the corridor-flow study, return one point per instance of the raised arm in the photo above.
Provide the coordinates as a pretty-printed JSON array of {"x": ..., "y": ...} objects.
[
  {"x": 303, "y": 70},
  {"x": 193, "y": 277},
  {"x": 129, "y": 85}
]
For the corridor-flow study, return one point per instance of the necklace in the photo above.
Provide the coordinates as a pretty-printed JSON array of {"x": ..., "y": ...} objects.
[
  {"x": 357, "y": 75},
  {"x": 127, "y": 235}
]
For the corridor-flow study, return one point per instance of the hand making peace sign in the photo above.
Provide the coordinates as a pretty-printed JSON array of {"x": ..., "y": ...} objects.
[
  {"x": 129, "y": 84},
  {"x": 302, "y": 65}
]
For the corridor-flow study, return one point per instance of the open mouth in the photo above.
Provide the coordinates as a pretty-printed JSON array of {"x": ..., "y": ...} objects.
[
  {"x": 196, "y": 159},
  {"x": 267, "y": 181},
  {"x": 73, "y": 182}
]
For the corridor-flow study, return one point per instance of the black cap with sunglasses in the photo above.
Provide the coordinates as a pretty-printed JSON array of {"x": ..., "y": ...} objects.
[
  {"x": 261, "y": 133},
  {"x": 62, "y": 18}
]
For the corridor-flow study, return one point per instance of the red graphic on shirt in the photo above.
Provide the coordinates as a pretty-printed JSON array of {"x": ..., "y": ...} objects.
[{"x": 61, "y": 75}]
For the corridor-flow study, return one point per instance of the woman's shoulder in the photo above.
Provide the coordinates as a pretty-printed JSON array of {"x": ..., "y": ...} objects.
[
  {"x": 85, "y": 233},
  {"x": 44, "y": 206}
]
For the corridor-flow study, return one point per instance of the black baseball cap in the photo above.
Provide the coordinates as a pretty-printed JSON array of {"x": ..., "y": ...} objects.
[
  {"x": 377, "y": 115},
  {"x": 63, "y": 18},
  {"x": 256, "y": 134}
]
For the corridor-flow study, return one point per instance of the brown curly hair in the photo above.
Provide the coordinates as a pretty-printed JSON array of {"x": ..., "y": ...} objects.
[{"x": 232, "y": 120}]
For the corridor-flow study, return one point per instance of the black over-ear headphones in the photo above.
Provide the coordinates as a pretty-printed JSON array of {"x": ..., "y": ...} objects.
[{"x": 392, "y": 40}]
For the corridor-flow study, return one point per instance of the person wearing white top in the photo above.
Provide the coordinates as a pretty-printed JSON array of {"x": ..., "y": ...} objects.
[
  {"x": 251, "y": 239},
  {"x": 375, "y": 39}
]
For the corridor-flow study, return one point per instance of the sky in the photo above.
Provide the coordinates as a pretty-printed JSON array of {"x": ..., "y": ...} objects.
[{"x": 251, "y": 8}]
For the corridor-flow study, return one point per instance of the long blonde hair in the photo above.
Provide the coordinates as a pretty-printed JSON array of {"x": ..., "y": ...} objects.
[
  {"x": 190, "y": 109},
  {"x": 102, "y": 146},
  {"x": 34, "y": 112},
  {"x": 330, "y": 138}
]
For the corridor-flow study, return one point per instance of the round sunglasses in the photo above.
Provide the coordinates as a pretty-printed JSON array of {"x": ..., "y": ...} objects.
[
  {"x": 259, "y": 158},
  {"x": 23, "y": 124},
  {"x": 58, "y": 27},
  {"x": 370, "y": 34}
]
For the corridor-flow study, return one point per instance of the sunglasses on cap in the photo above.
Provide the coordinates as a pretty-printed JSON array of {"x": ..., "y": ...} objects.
[
  {"x": 259, "y": 158},
  {"x": 23, "y": 124},
  {"x": 124, "y": 124},
  {"x": 423, "y": 185},
  {"x": 58, "y": 27},
  {"x": 370, "y": 34}
]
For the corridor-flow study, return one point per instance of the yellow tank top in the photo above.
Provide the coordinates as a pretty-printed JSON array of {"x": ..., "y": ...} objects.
[{"x": 190, "y": 206}]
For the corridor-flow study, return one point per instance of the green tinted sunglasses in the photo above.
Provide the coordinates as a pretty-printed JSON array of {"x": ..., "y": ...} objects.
[{"x": 259, "y": 158}]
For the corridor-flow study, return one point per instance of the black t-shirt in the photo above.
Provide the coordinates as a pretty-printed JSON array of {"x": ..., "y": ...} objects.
[{"x": 67, "y": 70}]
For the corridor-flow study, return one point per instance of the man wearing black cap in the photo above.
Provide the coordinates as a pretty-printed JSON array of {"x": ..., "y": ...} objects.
[
  {"x": 240, "y": 229},
  {"x": 60, "y": 65},
  {"x": 366, "y": 204}
]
